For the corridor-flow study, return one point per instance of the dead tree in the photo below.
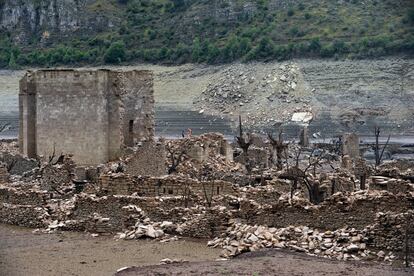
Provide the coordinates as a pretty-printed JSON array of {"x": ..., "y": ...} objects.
[
  {"x": 312, "y": 185},
  {"x": 4, "y": 127},
  {"x": 278, "y": 148},
  {"x": 408, "y": 238},
  {"x": 208, "y": 197},
  {"x": 176, "y": 155},
  {"x": 244, "y": 142},
  {"x": 206, "y": 175},
  {"x": 378, "y": 155},
  {"x": 297, "y": 175},
  {"x": 186, "y": 193},
  {"x": 59, "y": 160}
]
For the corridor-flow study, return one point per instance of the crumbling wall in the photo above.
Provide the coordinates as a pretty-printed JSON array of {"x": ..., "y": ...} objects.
[
  {"x": 132, "y": 105},
  {"x": 22, "y": 197},
  {"x": 338, "y": 211},
  {"x": 390, "y": 230},
  {"x": 350, "y": 145},
  {"x": 23, "y": 215},
  {"x": 120, "y": 183},
  {"x": 258, "y": 157},
  {"x": 390, "y": 184},
  {"x": 148, "y": 159},
  {"x": 17, "y": 164},
  {"x": 200, "y": 148}
]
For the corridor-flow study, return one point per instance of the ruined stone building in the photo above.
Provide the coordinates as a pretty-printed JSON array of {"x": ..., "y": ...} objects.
[{"x": 91, "y": 114}]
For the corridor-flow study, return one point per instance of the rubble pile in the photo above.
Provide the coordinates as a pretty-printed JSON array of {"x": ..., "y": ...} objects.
[
  {"x": 341, "y": 244},
  {"x": 17, "y": 164},
  {"x": 143, "y": 226},
  {"x": 205, "y": 154},
  {"x": 10, "y": 146},
  {"x": 393, "y": 185},
  {"x": 238, "y": 90},
  {"x": 229, "y": 90}
]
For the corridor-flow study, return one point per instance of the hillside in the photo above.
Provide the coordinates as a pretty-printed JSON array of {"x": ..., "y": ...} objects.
[{"x": 78, "y": 32}]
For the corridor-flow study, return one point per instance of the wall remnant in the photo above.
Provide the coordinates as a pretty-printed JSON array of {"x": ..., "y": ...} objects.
[{"x": 350, "y": 145}]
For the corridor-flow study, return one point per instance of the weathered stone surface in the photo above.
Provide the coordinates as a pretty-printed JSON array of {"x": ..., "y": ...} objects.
[{"x": 90, "y": 114}]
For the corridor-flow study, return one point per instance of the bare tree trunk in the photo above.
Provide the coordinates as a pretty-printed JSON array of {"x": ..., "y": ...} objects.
[
  {"x": 293, "y": 188},
  {"x": 376, "y": 149},
  {"x": 363, "y": 180},
  {"x": 407, "y": 245}
]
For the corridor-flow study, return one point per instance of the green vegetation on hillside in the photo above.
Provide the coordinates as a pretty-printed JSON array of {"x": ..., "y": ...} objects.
[{"x": 219, "y": 31}]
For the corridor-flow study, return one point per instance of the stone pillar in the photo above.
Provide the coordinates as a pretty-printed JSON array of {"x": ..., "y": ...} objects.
[
  {"x": 304, "y": 137},
  {"x": 350, "y": 145},
  {"x": 346, "y": 162},
  {"x": 4, "y": 175}
]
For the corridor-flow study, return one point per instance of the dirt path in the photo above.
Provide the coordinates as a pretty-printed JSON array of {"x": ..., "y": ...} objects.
[
  {"x": 271, "y": 262},
  {"x": 68, "y": 253}
]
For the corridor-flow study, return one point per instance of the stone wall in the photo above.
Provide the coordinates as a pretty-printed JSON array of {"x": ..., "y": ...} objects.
[
  {"x": 120, "y": 183},
  {"x": 23, "y": 215},
  {"x": 209, "y": 144},
  {"x": 148, "y": 159},
  {"x": 390, "y": 230},
  {"x": 89, "y": 114},
  {"x": 350, "y": 145},
  {"x": 336, "y": 212},
  {"x": 19, "y": 197},
  {"x": 390, "y": 184},
  {"x": 258, "y": 157}
]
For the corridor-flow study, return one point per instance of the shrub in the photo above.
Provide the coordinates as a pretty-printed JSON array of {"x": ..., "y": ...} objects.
[
  {"x": 196, "y": 52},
  {"x": 116, "y": 52},
  {"x": 410, "y": 16},
  {"x": 315, "y": 45},
  {"x": 12, "y": 61}
]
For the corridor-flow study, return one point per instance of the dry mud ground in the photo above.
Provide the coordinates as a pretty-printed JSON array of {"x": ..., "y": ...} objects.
[
  {"x": 67, "y": 253},
  {"x": 271, "y": 262}
]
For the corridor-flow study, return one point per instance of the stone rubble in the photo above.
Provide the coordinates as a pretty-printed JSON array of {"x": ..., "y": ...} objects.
[
  {"x": 144, "y": 227},
  {"x": 237, "y": 91},
  {"x": 342, "y": 244}
]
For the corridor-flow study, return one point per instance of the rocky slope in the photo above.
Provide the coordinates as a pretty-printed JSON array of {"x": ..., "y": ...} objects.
[
  {"x": 340, "y": 96},
  {"x": 81, "y": 32},
  {"x": 54, "y": 19}
]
